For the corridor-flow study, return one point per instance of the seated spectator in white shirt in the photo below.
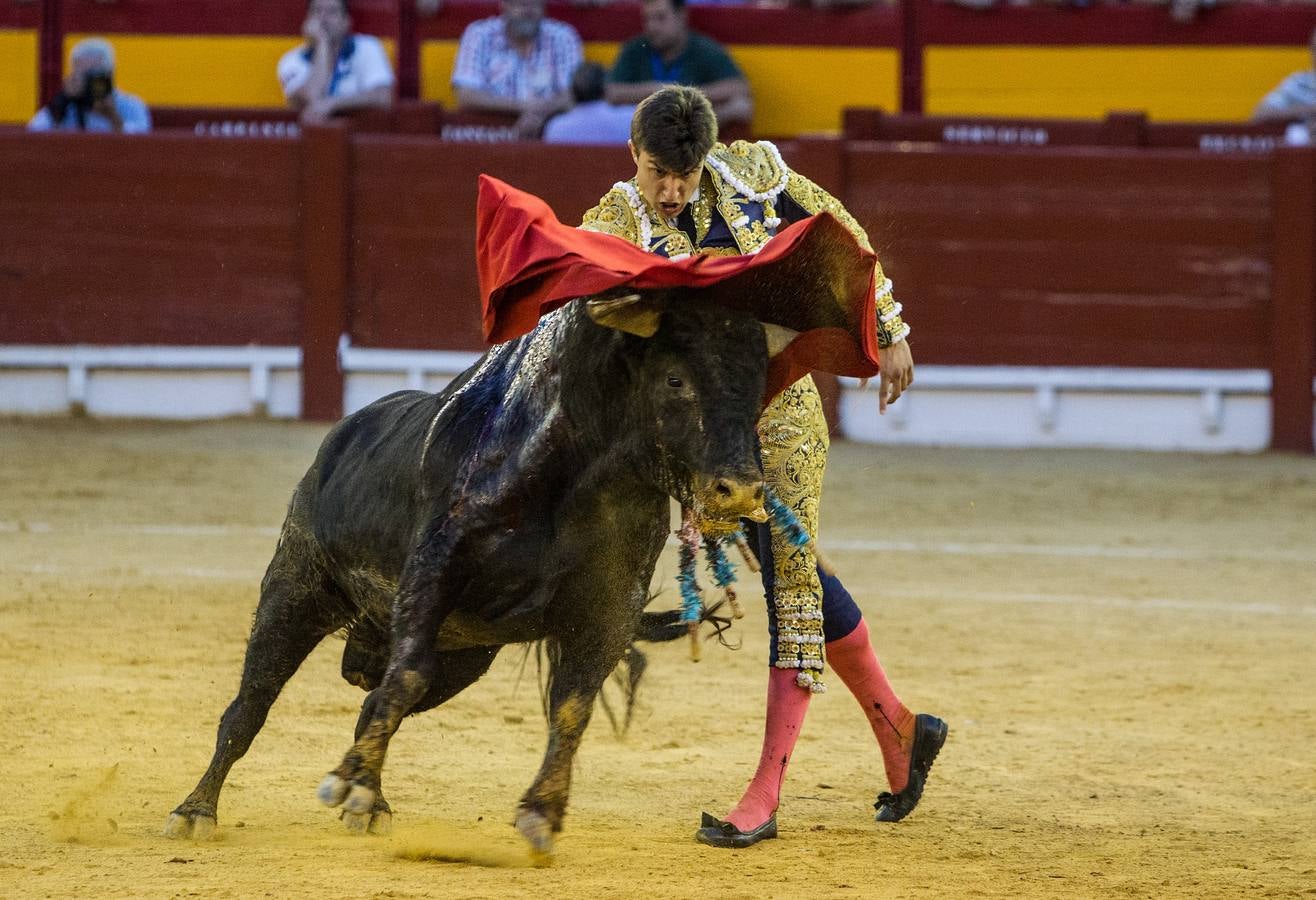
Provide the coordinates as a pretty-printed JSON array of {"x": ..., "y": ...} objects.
[
  {"x": 89, "y": 100},
  {"x": 1293, "y": 101},
  {"x": 518, "y": 63},
  {"x": 336, "y": 71},
  {"x": 592, "y": 120}
]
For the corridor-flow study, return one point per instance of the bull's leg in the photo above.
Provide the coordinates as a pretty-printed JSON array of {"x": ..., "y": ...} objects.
[
  {"x": 588, "y": 656},
  {"x": 423, "y": 602},
  {"x": 456, "y": 671},
  {"x": 297, "y": 610}
]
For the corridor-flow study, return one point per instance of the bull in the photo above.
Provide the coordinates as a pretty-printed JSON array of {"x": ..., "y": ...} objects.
[{"x": 527, "y": 501}]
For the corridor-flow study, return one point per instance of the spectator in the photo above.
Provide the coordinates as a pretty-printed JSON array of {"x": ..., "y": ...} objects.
[
  {"x": 1293, "y": 101},
  {"x": 668, "y": 52},
  {"x": 517, "y": 63},
  {"x": 336, "y": 71},
  {"x": 89, "y": 100},
  {"x": 592, "y": 120}
]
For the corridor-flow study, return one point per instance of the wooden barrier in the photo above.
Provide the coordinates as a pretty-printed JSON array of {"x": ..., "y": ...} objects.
[
  {"x": 1061, "y": 257},
  {"x": 1292, "y": 357},
  {"x": 158, "y": 239},
  {"x": 403, "y": 117},
  {"x": 1038, "y": 257},
  {"x": 1117, "y": 129},
  {"x": 1216, "y": 137}
]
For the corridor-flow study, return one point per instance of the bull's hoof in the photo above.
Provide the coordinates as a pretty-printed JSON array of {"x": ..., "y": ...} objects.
[
  {"x": 197, "y": 826},
  {"x": 360, "y": 800},
  {"x": 378, "y": 820},
  {"x": 538, "y": 831},
  {"x": 380, "y": 823},
  {"x": 333, "y": 790}
]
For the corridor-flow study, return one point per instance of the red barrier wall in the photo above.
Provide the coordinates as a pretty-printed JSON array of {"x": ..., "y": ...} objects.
[
  {"x": 109, "y": 239},
  {"x": 413, "y": 270},
  {"x": 1060, "y": 256},
  {"x": 1064, "y": 257}
]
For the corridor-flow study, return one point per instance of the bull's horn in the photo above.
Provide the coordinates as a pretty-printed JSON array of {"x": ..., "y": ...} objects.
[
  {"x": 779, "y": 337},
  {"x": 630, "y": 314}
]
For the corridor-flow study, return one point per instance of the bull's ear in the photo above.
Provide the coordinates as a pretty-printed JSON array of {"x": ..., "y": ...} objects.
[
  {"x": 779, "y": 337},
  {"x": 631, "y": 314}
]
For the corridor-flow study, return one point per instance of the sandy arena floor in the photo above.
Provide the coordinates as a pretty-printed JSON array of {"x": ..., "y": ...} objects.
[{"x": 1122, "y": 644}]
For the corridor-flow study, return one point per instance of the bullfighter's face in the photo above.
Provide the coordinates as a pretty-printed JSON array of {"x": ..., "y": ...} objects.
[{"x": 666, "y": 191}]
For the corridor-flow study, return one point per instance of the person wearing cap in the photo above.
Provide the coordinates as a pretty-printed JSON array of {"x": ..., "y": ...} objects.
[{"x": 89, "y": 100}]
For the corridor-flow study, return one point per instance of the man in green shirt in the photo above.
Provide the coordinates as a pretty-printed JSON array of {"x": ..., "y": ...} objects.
[{"x": 668, "y": 52}]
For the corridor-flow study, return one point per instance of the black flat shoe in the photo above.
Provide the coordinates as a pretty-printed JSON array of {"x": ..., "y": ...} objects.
[
  {"x": 716, "y": 833},
  {"x": 929, "y": 734}
]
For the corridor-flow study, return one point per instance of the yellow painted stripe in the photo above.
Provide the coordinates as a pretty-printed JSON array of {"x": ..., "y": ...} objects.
[
  {"x": 800, "y": 90},
  {"x": 194, "y": 70},
  {"x": 1169, "y": 83},
  {"x": 784, "y": 103},
  {"x": 18, "y": 74},
  {"x": 436, "y": 61}
]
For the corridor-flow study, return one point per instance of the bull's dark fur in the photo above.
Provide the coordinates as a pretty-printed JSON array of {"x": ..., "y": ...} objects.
[{"x": 527, "y": 501}]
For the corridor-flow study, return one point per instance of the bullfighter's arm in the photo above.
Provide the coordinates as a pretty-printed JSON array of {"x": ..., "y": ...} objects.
[{"x": 802, "y": 198}]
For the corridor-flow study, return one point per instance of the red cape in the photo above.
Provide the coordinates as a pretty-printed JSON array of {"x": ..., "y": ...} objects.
[{"x": 812, "y": 277}]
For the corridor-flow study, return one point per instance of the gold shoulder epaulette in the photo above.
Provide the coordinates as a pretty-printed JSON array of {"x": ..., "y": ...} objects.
[
  {"x": 614, "y": 215},
  {"x": 754, "y": 169}
]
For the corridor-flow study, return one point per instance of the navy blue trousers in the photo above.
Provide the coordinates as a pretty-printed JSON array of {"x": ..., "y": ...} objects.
[{"x": 841, "y": 614}]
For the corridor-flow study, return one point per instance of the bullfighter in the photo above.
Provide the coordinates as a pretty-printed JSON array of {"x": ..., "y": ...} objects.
[{"x": 692, "y": 195}]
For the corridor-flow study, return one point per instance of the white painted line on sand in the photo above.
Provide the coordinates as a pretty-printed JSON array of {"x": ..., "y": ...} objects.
[
  {"x": 141, "y": 528},
  {"x": 131, "y": 571},
  {"x": 1095, "y": 551},
  {"x": 1137, "y": 603},
  {"x": 829, "y": 545},
  {"x": 1182, "y": 604}
]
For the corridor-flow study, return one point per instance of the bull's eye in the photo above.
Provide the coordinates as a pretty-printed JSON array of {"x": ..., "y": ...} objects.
[{"x": 673, "y": 381}]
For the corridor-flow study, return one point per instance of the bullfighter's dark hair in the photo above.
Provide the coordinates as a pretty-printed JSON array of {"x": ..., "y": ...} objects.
[{"x": 676, "y": 125}]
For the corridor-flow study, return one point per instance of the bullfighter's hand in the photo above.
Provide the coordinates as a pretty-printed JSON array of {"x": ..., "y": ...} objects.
[{"x": 897, "y": 362}]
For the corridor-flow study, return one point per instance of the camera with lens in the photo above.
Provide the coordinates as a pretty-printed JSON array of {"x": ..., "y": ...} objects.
[{"x": 98, "y": 86}]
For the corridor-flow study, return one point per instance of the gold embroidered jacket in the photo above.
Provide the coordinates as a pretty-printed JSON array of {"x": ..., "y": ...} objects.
[{"x": 746, "y": 193}]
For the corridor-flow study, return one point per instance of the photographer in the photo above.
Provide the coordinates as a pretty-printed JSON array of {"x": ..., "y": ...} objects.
[{"x": 88, "y": 100}]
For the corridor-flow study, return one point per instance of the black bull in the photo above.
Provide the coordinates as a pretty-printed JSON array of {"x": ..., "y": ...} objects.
[{"x": 527, "y": 501}]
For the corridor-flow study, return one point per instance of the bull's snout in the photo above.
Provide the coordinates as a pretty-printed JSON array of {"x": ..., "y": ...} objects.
[{"x": 731, "y": 499}]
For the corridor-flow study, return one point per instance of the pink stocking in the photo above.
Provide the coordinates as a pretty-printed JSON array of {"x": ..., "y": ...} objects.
[
  {"x": 853, "y": 658},
  {"x": 787, "y": 704}
]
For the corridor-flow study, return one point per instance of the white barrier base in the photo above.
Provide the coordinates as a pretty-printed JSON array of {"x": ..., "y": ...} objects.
[{"x": 1138, "y": 409}]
